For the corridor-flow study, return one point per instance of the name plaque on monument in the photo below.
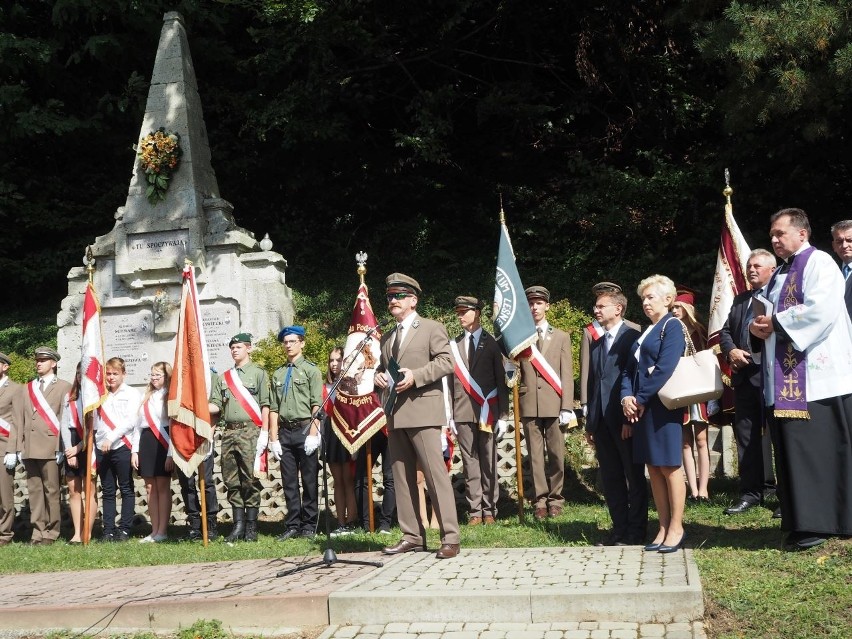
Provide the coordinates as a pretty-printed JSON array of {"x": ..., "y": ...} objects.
[
  {"x": 158, "y": 245},
  {"x": 128, "y": 334},
  {"x": 221, "y": 321}
]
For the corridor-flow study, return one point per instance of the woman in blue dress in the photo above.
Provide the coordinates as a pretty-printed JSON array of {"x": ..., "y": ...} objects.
[{"x": 658, "y": 431}]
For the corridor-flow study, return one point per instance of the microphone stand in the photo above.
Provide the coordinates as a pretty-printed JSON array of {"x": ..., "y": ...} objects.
[{"x": 329, "y": 557}]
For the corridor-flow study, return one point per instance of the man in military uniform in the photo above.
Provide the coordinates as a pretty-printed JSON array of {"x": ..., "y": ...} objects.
[
  {"x": 37, "y": 442},
  {"x": 295, "y": 434},
  {"x": 242, "y": 397},
  {"x": 11, "y": 419}
]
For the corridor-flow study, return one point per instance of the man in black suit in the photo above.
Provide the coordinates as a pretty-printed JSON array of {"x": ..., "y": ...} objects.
[
  {"x": 480, "y": 409},
  {"x": 749, "y": 419},
  {"x": 625, "y": 489},
  {"x": 841, "y": 241}
]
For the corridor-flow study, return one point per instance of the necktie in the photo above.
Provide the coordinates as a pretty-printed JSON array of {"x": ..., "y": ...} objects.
[
  {"x": 41, "y": 385},
  {"x": 607, "y": 343},
  {"x": 287, "y": 377},
  {"x": 847, "y": 269},
  {"x": 471, "y": 348},
  {"x": 397, "y": 340},
  {"x": 540, "y": 337}
]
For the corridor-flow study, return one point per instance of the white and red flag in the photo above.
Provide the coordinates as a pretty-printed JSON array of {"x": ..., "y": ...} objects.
[
  {"x": 93, "y": 388},
  {"x": 189, "y": 391},
  {"x": 357, "y": 413}
]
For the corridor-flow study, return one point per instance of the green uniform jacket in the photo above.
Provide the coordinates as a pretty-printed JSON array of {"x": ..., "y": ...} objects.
[
  {"x": 255, "y": 380},
  {"x": 304, "y": 391}
]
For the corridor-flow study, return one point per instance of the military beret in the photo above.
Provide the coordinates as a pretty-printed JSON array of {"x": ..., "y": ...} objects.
[
  {"x": 45, "y": 352},
  {"x": 606, "y": 287},
  {"x": 467, "y": 301},
  {"x": 5, "y": 359},
  {"x": 291, "y": 330},
  {"x": 245, "y": 338},
  {"x": 538, "y": 292},
  {"x": 400, "y": 283}
]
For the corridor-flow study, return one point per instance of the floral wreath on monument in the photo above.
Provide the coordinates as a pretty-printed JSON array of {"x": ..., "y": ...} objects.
[{"x": 159, "y": 155}]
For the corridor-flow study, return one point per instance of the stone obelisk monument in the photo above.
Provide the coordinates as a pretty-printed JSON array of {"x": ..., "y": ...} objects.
[{"x": 139, "y": 262}]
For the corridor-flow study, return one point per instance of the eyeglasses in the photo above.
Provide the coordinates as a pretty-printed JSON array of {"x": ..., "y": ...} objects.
[
  {"x": 289, "y": 342},
  {"x": 398, "y": 296},
  {"x": 600, "y": 307},
  {"x": 156, "y": 376}
]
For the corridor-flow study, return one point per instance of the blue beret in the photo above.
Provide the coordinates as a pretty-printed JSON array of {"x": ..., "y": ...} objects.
[{"x": 291, "y": 330}]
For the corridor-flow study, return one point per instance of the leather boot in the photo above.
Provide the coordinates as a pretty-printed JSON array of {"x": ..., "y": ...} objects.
[
  {"x": 239, "y": 528},
  {"x": 212, "y": 529},
  {"x": 194, "y": 524},
  {"x": 251, "y": 524}
]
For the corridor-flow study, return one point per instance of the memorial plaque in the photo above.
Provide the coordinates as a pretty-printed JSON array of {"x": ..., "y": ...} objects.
[
  {"x": 221, "y": 320},
  {"x": 128, "y": 334},
  {"x": 144, "y": 247}
]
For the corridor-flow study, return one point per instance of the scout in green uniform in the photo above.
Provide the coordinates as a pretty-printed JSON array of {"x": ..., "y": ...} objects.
[
  {"x": 242, "y": 439},
  {"x": 294, "y": 433}
]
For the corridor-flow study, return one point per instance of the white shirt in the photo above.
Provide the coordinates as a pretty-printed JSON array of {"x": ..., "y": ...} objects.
[
  {"x": 158, "y": 413},
  {"x": 123, "y": 408}
]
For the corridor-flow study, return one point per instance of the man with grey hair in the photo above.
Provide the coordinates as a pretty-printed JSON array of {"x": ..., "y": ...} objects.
[
  {"x": 841, "y": 241},
  {"x": 749, "y": 418}
]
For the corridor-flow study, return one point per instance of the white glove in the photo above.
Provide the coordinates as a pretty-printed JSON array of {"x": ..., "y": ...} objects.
[
  {"x": 585, "y": 411},
  {"x": 275, "y": 449},
  {"x": 445, "y": 444},
  {"x": 453, "y": 427},
  {"x": 262, "y": 441},
  {"x": 565, "y": 417},
  {"x": 312, "y": 443},
  {"x": 10, "y": 460},
  {"x": 500, "y": 428},
  {"x": 60, "y": 455}
]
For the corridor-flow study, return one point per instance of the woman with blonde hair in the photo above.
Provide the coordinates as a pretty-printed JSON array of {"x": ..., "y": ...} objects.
[
  {"x": 151, "y": 451},
  {"x": 657, "y": 431},
  {"x": 71, "y": 430},
  {"x": 339, "y": 460},
  {"x": 695, "y": 416}
]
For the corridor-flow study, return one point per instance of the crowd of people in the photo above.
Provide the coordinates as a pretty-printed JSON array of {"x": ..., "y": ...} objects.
[{"x": 788, "y": 342}]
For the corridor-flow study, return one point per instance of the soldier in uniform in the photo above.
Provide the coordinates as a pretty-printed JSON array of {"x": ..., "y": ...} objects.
[
  {"x": 242, "y": 397},
  {"x": 11, "y": 419},
  {"x": 295, "y": 435},
  {"x": 37, "y": 444}
]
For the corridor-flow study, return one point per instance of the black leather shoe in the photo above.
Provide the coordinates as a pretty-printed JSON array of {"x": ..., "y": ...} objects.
[
  {"x": 288, "y": 534},
  {"x": 652, "y": 547},
  {"x": 612, "y": 540},
  {"x": 776, "y": 514},
  {"x": 667, "y": 549},
  {"x": 403, "y": 546},
  {"x": 739, "y": 508}
]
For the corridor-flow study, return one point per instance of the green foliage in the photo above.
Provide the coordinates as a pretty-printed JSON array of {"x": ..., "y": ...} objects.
[
  {"x": 572, "y": 320},
  {"x": 204, "y": 629}
]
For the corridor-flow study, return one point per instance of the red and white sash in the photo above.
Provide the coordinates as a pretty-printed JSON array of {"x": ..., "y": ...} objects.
[
  {"x": 161, "y": 435},
  {"x": 243, "y": 396},
  {"x": 545, "y": 369},
  {"x": 595, "y": 330},
  {"x": 42, "y": 407},
  {"x": 76, "y": 421},
  {"x": 5, "y": 427},
  {"x": 108, "y": 421},
  {"x": 472, "y": 388}
]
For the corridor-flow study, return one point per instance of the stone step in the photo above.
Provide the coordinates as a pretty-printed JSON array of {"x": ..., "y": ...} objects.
[{"x": 526, "y": 585}]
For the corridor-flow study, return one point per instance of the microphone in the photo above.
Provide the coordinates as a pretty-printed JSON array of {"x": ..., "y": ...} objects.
[{"x": 381, "y": 327}]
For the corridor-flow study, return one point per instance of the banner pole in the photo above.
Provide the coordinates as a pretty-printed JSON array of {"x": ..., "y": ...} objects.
[{"x": 519, "y": 472}]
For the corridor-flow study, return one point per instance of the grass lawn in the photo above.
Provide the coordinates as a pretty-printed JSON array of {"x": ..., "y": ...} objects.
[{"x": 753, "y": 588}]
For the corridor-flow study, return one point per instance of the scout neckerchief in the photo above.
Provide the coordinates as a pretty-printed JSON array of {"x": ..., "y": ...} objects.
[
  {"x": 595, "y": 329},
  {"x": 243, "y": 396},
  {"x": 791, "y": 366},
  {"x": 472, "y": 388},
  {"x": 42, "y": 407},
  {"x": 109, "y": 422},
  {"x": 160, "y": 433}
]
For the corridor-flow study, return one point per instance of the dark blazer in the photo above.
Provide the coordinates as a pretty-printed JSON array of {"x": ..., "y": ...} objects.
[
  {"x": 586, "y": 342},
  {"x": 734, "y": 334},
  {"x": 659, "y": 355},
  {"x": 426, "y": 351},
  {"x": 604, "y": 379},
  {"x": 848, "y": 296},
  {"x": 487, "y": 369}
]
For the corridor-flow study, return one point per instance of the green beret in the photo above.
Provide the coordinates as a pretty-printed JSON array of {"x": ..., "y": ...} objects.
[{"x": 245, "y": 338}]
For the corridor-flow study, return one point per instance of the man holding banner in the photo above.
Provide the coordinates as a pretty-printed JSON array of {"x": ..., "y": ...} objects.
[{"x": 546, "y": 395}]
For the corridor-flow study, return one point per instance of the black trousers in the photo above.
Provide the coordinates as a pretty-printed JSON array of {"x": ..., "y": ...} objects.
[
  {"x": 624, "y": 485},
  {"x": 189, "y": 492},
  {"x": 378, "y": 446},
  {"x": 749, "y": 434},
  {"x": 116, "y": 475},
  {"x": 302, "y": 509}
]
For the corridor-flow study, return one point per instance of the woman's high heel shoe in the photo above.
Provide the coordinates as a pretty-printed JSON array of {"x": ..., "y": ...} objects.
[
  {"x": 667, "y": 549},
  {"x": 653, "y": 547}
]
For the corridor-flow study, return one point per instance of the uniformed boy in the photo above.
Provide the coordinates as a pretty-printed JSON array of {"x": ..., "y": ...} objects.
[
  {"x": 242, "y": 397},
  {"x": 295, "y": 434}
]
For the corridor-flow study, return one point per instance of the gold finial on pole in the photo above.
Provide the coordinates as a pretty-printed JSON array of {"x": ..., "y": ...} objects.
[
  {"x": 502, "y": 214},
  {"x": 90, "y": 263},
  {"x": 361, "y": 259},
  {"x": 728, "y": 191}
]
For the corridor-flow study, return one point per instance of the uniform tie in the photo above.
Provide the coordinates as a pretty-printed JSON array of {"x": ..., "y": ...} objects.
[
  {"x": 540, "y": 337},
  {"x": 397, "y": 341},
  {"x": 287, "y": 377},
  {"x": 470, "y": 350}
]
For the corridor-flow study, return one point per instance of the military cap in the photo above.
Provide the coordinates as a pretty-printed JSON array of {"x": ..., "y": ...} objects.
[
  {"x": 538, "y": 292},
  {"x": 5, "y": 359},
  {"x": 299, "y": 331},
  {"x": 606, "y": 287},
  {"x": 245, "y": 338},
  {"x": 45, "y": 352},
  {"x": 400, "y": 283},
  {"x": 468, "y": 302}
]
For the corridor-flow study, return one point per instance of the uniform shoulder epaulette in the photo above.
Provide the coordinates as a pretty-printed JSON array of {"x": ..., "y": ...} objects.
[{"x": 307, "y": 361}]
